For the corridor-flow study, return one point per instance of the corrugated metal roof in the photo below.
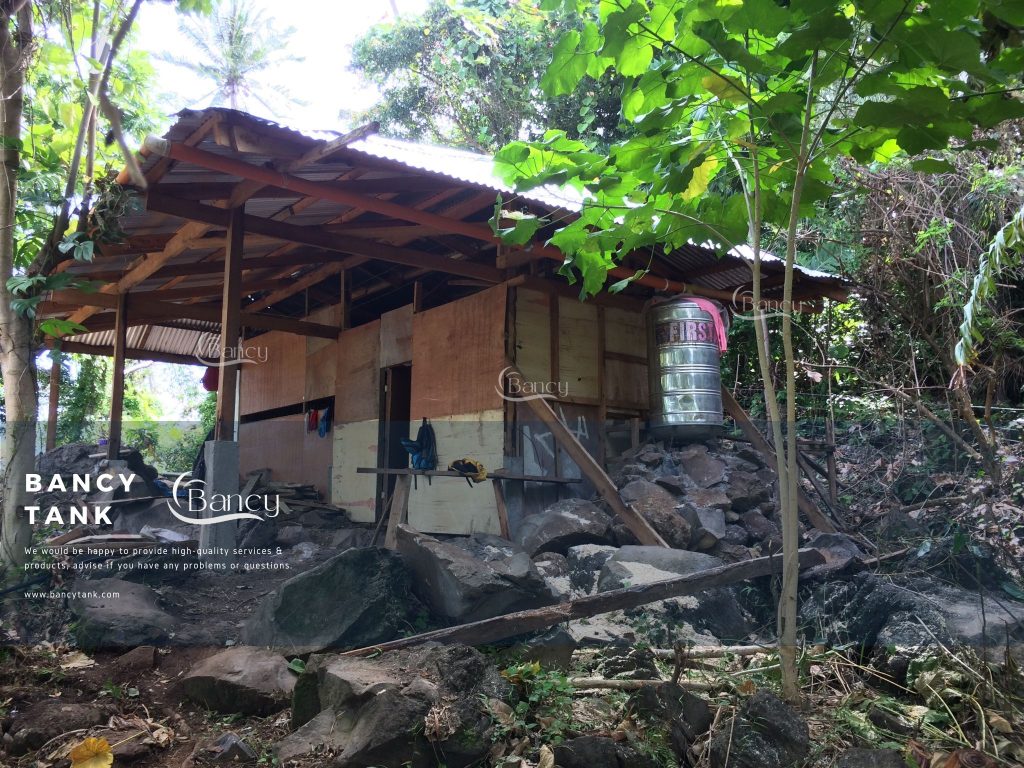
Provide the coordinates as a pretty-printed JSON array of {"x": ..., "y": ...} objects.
[
  {"x": 462, "y": 165},
  {"x": 372, "y": 157}
]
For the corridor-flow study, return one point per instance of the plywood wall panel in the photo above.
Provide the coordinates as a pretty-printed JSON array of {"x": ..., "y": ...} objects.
[
  {"x": 450, "y": 505},
  {"x": 355, "y": 445},
  {"x": 458, "y": 353},
  {"x": 624, "y": 332},
  {"x": 532, "y": 353},
  {"x": 357, "y": 381},
  {"x": 578, "y": 351},
  {"x": 283, "y": 446},
  {"x": 396, "y": 337},
  {"x": 277, "y": 378}
]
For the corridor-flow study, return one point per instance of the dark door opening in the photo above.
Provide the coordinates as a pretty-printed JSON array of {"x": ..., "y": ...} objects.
[{"x": 395, "y": 417}]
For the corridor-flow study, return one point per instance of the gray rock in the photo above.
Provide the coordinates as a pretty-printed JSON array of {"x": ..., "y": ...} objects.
[
  {"x": 131, "y": 619},
  {"x": 766, "y": 734},
  {"x": 599, "y": 752},
  {"x": 230, "y": 748},
  {"x": 658, "y": 507},
  {"x": 686, "y": 715},
  {"x": 703, "y": 469},
  {"x": 347, "y": 538},
  {"x": 838, "y": 549},
  {"x": 319, "y": 733},
  {"x": 871, "y": 758},
  {"x": 552, "y": 649},
  {"x": 463, "y": 588},
  {"x": 736, "y": 534},
  {"x": 899, "y": 619},
  {"x": 290, "y": 535},
  {"x": 748, "y": 489},
  {"x": 360, "y": 597},
  {"x": 759, "y": 527},
  {"x": 646, "y": 565},
  {"x": 564, "y": 524},
  {"x": 46, "y": 719},
  {"x": 707, "y": 526},
  {"x": 584, "y": 563},
  {"x": 399, "y": 709},
  {"x": 714, "y": 498},
  {"x": 676, "y": 484},
  {"x": 242, "y": 679}
]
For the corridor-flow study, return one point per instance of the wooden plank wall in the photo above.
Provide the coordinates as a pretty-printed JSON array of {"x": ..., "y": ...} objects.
[
  {"x": 283, "y": 446},
  {"x": 357, "y": 411},
  {"x": 599, "y": 355}
]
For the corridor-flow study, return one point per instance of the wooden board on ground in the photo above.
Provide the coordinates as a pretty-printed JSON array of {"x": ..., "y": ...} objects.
[
  {"x": 398, "y": 511},
  {"x": 509, "y": 625}
]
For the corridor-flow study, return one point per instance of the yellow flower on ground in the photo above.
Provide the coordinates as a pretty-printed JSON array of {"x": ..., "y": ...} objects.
[{"x": 92, "y": 753}]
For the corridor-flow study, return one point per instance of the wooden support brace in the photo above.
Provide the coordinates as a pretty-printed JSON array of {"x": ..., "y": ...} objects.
[
  {"x": 117, "y": 380},
  {"x": 636, "y": 523},
  {"x": 816, "y": 517}
]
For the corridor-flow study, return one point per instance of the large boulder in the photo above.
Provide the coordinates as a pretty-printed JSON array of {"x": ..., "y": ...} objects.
[
  {"x": 117, "y": 614},
  {"x": 360, "y": 597},
  {"x": 897, "y": 620},
  {"x": 765, "y": 734},
  {"x": 463, "y": 588},
  {"x": 585, "y": 563},
  {"x": 686, "y": 715},
  {"x": 633, "y": 565},
  {"x": 600, "y": 752},
  {"x": 566, "y": 523},
  {"x": 246, "y": 680},
  {"x": 716, "y": 611},
  {"x": 399, "y": 709},
  {"x": 658, "y": 507}
]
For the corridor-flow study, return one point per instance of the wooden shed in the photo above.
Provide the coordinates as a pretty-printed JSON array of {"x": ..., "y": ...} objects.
[{"x": 362, "y": 279}]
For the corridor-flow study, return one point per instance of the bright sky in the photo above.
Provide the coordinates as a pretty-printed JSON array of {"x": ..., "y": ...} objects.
[{"x": 324, "y": 33}]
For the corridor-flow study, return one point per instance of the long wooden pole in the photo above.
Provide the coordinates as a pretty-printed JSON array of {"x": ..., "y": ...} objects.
[
  {"x": 117, "y": 381},
  {"x": 521, "y": 622},
  {"x": 51, "y": 421},
  {"x": 230, "y": 326}
]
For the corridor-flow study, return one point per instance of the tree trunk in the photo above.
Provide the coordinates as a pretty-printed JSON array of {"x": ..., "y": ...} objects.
[{"x": 17, "y": 359}]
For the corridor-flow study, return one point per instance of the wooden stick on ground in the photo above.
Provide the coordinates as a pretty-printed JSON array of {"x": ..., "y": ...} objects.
[{"x": 521, "y": 622}]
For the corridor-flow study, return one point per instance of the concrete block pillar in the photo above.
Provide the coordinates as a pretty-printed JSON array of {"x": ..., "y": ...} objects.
[{"x": 222, "y": 462}]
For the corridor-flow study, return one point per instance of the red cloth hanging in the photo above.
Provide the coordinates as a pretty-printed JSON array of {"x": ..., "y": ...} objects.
[{"x": 211, "y": 379}]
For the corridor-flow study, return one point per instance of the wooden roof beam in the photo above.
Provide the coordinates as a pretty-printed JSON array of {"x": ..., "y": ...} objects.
[
  {"x": 473, "y": 230},
  {"x": 315, "y": 237}
]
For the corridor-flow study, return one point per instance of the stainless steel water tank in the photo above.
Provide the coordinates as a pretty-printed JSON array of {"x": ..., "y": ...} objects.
[{"x": 683, "y": 365}]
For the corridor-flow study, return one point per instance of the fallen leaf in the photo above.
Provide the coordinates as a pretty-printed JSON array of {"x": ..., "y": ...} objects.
[
  {"x": 92, "y": 753},
  {"x": 547, "y": 757},
  {"x": 76, "y": 660},
  {"x": 998, "y": 723},
  {"x": 747, "y": 688}
]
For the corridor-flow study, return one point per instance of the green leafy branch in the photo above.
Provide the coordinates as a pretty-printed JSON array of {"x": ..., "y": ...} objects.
[{"x": 1003, "y": 253}]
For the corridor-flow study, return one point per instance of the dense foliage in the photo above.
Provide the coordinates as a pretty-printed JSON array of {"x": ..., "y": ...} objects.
[{"x": 467, "y": 75}]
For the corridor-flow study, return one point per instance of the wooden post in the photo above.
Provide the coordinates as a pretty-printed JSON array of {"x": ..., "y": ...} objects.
[
  {"x": 230, "y": 326},
  {"x": 830, "y": 461},
  {"x": 499, "y": 500},
  {"x": 51, "y": 421},
  {"x": 398, "y": 512},
  {"x": 345, "y": 321},
  {"x": 417, "y": 297},
  {"x": 636, "y": 522},
  {"x": 816, "y": 517},
  {"x": 117, "y": 383}
]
